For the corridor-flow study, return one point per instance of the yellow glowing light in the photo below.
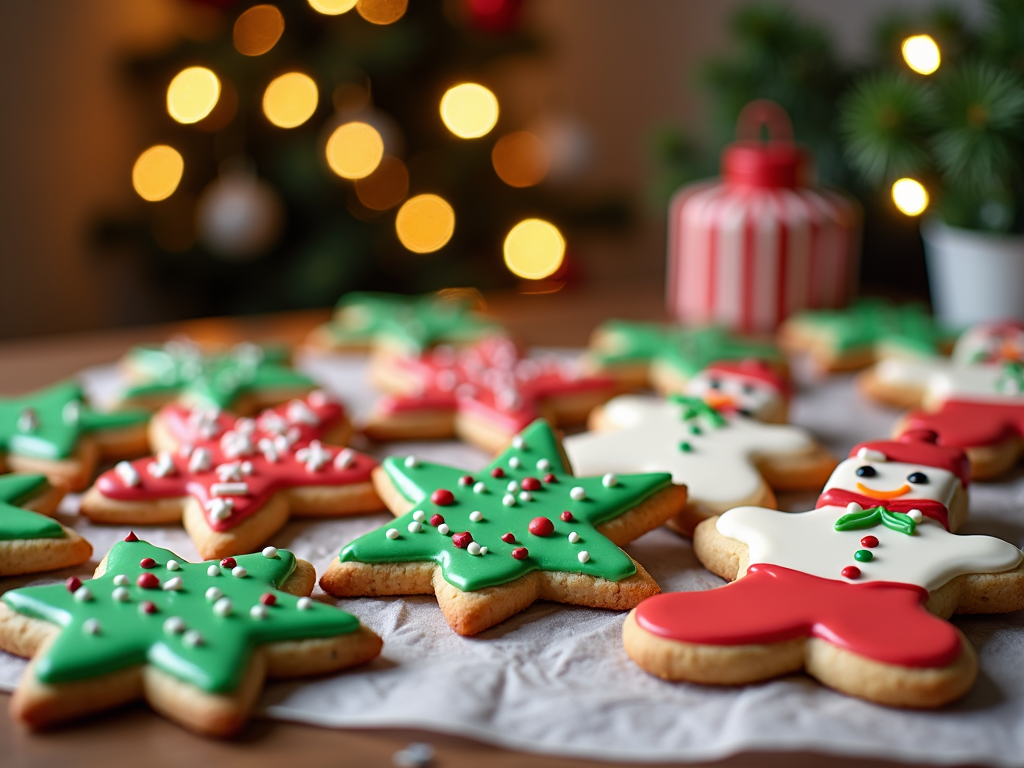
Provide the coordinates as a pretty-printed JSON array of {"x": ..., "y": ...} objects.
[
  {"x": 469, "y": 110},
  {"x": 192, "y": 94},
  {"x": 332, "y": 7},
  {"x": 157, "y": 172},
  {"x": 921, "y": 53},
  {"x": 534, "y": 249},
  {"x": 354, "y": 150},
  {"x": 290, "y": 100},
  {"x": 520, "y": 159},
  {"x": 386, "y": 187},
  {"x": 382, "y": 11},
  {"x": 258, "y": 30},
  {"x": 425, "y": 223},
  {"x": 910, "y": 196}
]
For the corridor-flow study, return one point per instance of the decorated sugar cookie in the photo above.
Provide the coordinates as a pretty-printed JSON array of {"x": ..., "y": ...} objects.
[
  {"x": 868, "y": 331},
  {"x": 746, "y": 387},
  {"x": 723, "y": 459},
  {"x": 53, "y": 432},
  {"x": 855, "y": 592},
  {"x": 196, "y": 640},
  {"x": 406, "y": 325},
  {"x": 485, "y": 394},
  {"x": 243, "y": 379},
  {"x": 30, "y": 539},
  {"x": 667, "y": 357},
  {"x": 237, "y": 482},
  {"x": 489, "y": 544}
]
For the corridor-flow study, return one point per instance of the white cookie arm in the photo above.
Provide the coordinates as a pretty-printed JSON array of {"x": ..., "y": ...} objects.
[
  {"x": 753, "y": 526},
  {"x": 910, "y": 371},
  {"x": 762, "y": 438},
  {"x": 627, "y": 411}
]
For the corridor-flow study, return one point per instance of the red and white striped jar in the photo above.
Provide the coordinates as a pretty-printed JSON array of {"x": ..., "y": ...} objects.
[{"x": 749, "y": 249}]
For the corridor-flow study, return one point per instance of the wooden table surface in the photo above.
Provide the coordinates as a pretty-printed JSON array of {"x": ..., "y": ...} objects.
[{"x": 135, "y": 736}]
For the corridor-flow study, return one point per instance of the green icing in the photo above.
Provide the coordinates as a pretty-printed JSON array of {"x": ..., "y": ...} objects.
[
  {"x": 868, "y": 518},
  {"x": 49, "y": 423},
  {"x": 871, "y": 322},
  {"x": 688, "y": 350},
  {"x": 416, "y": 322},
  {"x": 695, "y": 408},
  {"x": 127, "y": 636},
  {"x": 182, "y": 369},
  {"x": 17, "y": 523},
  {"x": 1011, "y": 378},
  {"x": 548, "y": 553}
]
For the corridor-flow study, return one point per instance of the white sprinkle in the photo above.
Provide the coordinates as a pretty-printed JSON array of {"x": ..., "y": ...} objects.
[
  {"x": 573, "y": 537},
  {"x": 853, "y": 508},
  {"x": 415, "y": 527},
  {"x": 473, "y": 548},
  {"x": 83, "y": 595},
  {"x": 543, "y": 465},
  {"x": 577, "y": 493},
  {"x": 174, "y": 625},
  {"x": 419, "y": 516},
  {"x": 192, "y": 638},
  {"x": 120, "y": 594},
  {"x": 270, "y": 551},
  {"x": 71, "y": 412},
  {"x": 443, "y": 529},
  {"x": 128, "y": 474},
  {"x": 583, "y": 556},
  {"x": 609, "y": 480},
  {"x": 392, "y": 533},
  {"x": 27, "y": 421},
  {"x": 508, "y": 500},
  {"x": 411, "y": 462},
  {"x": 915, "y": 515},
  {"x": 186, "y": 450},
  {"x": 525, "y": 496},
  {"x": 319, "y": 398},
  {"x": 91, "y": 627},
  {"x": 512, "y": 487},
  {"x": 304, "y": 603},
  {"x": 163, "y": 466},
  {"x": 246, "y": 426},
  {"x": 172, "y": 585},
  {"x": 214, "y": 594},
  {"x": 476, "y": 516},
  {"x": 518, "y": 443},
  {"x": 258, "y": 611},
  {"x": 483, "y": 550},
  {"x": 220, "y": 509},
  {"x": 344, "y": 459},
  {"x": 515, "y": 463},
  {"x": 223, "y": 606},
  {"x": 314, "y": 456},
  {"x": 268, "y": 449},
  {"x": 230, "y": 471},
  {"x": 300, "y": 413},
  {"x": 213, "y": 570},
  {"x": 246, "y": 468},
  {"x": 229, "y": 489},
  {"x": 173, "y": 565},
  {"x": 121, "y": 580},
  {"x": 200, "y": 460},
  {"x": 480, "y": 487},
  {"x": 239, "y": 572}
]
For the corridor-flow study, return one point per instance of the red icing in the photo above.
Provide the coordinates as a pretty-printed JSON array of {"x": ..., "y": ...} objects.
[
  {"x": 839, "y": 497},
  {"x": 965, "y": 424},
  {"x": 491, "y": 379},
  {"x": 869, "y": 541},
  {"x": 520, "y": 553},
  {"x": 73, "y": 583},
  {"x": 530, "y": 484},
  {"x": 268, "y": 598},
  {"x": 884, "y": 621},
  {"x": 442, "y": 497},
  {"x": 541, "y": 526},
  {"x": 148, "y": 606},
  {"x": 267, "y": 477},
  {"x": 850, "y": 572},
  {"x": 131, "y": 536},
  {"x": 147, "y": 562},
  {"x": 508, "y": 538},
  {"x": 148, "y": 581},
  {"x": 755, "y": 370},
  {"x": 922, "y": 444},
  {"x": 462, "y": 540},
  {"x": 567, "y": 516},
  {"x": 550, "y": 478},
  {"x": 436, "y": 520},
  {"x": 228, "y": 562}
]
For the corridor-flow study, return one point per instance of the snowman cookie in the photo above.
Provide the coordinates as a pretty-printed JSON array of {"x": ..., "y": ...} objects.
[
  {"x": 854, "y": 592},
  {"x": 746, "y": 387},
  {"x": 30, "y": 539},
  {"x": 725, "y": 459}
]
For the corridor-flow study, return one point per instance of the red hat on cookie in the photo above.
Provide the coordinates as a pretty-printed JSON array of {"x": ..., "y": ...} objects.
[
  {"x": 752, "y": 368},
  {"x": 918, "y": 446}
]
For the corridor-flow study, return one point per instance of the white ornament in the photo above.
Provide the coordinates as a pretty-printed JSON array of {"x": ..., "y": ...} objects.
[
  {"x": 415, "y": 527},
  {"x": 577, "y": 493},
  {"x": 270, "y": 551},
  {"x": 304, "y": 603},
  {"x": 508, "y": 500},
  {"x": 574, "y": 537},
  {"x": 473, "y": 548},
  {"x": 443, "y": 529},
  {"x": 173, "y": 565},
  {"x": 239, "y": 572},
  {"x": 476, "y": 516},
  {"x": 213, "y": 570},
  {"x": 392, "y": 533},
  {"x": 609, "y": 480},
  {"x": 419, "y": 516},
  {"x": 480, "y": 488},
  {"x": 583, "y": 556}
]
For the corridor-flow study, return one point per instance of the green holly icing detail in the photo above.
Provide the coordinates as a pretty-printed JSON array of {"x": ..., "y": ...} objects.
[
  {"x": 182, "y": 369},
  {"x": 534, "y": 453},
  {"x": 415, "y": 322},
  {"x": 687, "y": 350},
  {"x": 17, "y": 523},
  {"x": 49, "y": 423},
  {"x": 1011, "y": 378},
  {"x": 872, "y": 322},
  {"x": 186, "y": 636},
  {"x": 868, "y": 518},
  {"x": 696, "y": 409}
]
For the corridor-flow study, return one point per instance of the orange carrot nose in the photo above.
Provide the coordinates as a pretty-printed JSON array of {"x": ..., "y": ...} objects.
[
  {"x": 1009, "y": 351},
  {"x": 883, "y": 494},
  {"x": 718, "y": 400}
]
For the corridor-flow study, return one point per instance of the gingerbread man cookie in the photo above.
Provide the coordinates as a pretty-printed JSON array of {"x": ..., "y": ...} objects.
[
  {"x": 523, "y": 529},
  {"x": 53, "y": 432},
  {"x": 30, "y": 539},
  {"x": 196, "y": 640},
  {"x": 723, "y": 459},
  {"x": 854, "y": 591},
  {"x": 237, "y": 484}
]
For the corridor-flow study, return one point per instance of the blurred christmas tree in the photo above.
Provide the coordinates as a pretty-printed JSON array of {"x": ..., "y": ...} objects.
[{"x": 310, "y": 147}]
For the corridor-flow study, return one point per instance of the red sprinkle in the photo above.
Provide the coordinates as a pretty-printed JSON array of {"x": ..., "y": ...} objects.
[
  {"x": 148, "y": 606},
  {"x": 147, "y": 562},
  {"x": 73, "y": 583},
  {"x": 267, "y": 598},
  {"x": 131, "y": 536},
  {"x": 442, "y": 497},
  {"x": 541, "y": 526},
  {"x": 869, "y": 542},
  {"x": 436, "y": 520},
  {"x": 508, "y": 538},
  {"x": 520, "y": 553},
  {"x": 148, "y": 581},
  {"x": 228, "y": 562},
  {"x": 549, "y": 478},
  {"x": 466, "y": 480},
  {"x": 462, "y": 540},
  {"x": 850, "y": 572},
  {"x": 497, "y": 472},
  {"x": 530, "y": 484},
  {"x": 567, "y": 516}
]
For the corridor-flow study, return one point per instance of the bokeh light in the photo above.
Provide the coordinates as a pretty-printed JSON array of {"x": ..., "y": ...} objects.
[
  {"x": 910, "y": 196},
  {"x": 354, "y": 150},
  {"x": 157, "y": 172},
  {"x": 520, "y": 159},
  {"x": 332, "y": 7},
  {"x": 921, "y": 53},
  {"x": 469, "y": 110},
  {"x": 258, "y": 30},
  {"x": 382, "y": 11},
  {"x": 192, "y": 94},
  {"x": 534, "y": 249},
  {"x": 425, "y": 223},
  {"x": 290, "y": 100},
  {"x": 386, "y": 187}
]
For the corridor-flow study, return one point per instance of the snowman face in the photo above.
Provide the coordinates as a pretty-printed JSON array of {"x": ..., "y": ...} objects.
[
  {"x": 990, "y": 343},
  {"x": 735, "y": 393},
  {"x": 872, "y": 476}
]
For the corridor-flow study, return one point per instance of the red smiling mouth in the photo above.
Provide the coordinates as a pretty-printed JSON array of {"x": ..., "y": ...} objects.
[{"x": 902, "y": 490}]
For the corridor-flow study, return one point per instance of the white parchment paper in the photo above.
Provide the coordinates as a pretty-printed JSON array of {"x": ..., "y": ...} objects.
[{"x": 556, "y": 679}]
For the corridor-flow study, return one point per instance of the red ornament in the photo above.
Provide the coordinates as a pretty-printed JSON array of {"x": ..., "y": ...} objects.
[
  {"x": 147, "y": 562},
  {"x": 147, "y": 606},
  {"x": 530, "y": 484},
  {"x": 520, "y": 553},
  {"x": 869, "y": 542},
  {"x": 567, "y": 516},
  {"x": 541, "y": 526},
  {"x": 148, "y": 581},
  {"x": 228, "y": 562},
  {"x": 497, "y": 472},
  {"x": 267, "y": 598},
  {"x": 442, "y": 497},
  {"x": 549, "y": 478},
  {"x": 508, "y": 538},
  {"x": 850, "y": 572},
  {"x": 73, "y": 583},
  {"x": 131, "y": 536},
  {"x": 436, "y": 520},
  {"x": 466, "y": 480},
  {"x": 462, "y": 540}
]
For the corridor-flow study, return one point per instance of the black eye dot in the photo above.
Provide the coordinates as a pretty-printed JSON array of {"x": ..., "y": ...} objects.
[
  {"x": 918, "y": 478},
  {"x": 866, "y": 472},
  {"x": 714, "y": 384},
  {"x": 748, "y": 389}
]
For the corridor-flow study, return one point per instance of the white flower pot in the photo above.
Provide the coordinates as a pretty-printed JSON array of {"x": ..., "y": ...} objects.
[{"x": 974, "y": 276}]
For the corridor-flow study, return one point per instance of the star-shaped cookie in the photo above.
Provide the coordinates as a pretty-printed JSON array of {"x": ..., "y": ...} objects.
[{"x": 30, "y": 539}]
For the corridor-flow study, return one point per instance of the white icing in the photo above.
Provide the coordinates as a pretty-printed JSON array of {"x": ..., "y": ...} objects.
[
  {"x": 736, "y": 392},
  {"x": 891, "y": 476},
  {"x": 808, "y": 542},
  {"x": 645, "y": 436},
  {"x": 942, "y": 380}
]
